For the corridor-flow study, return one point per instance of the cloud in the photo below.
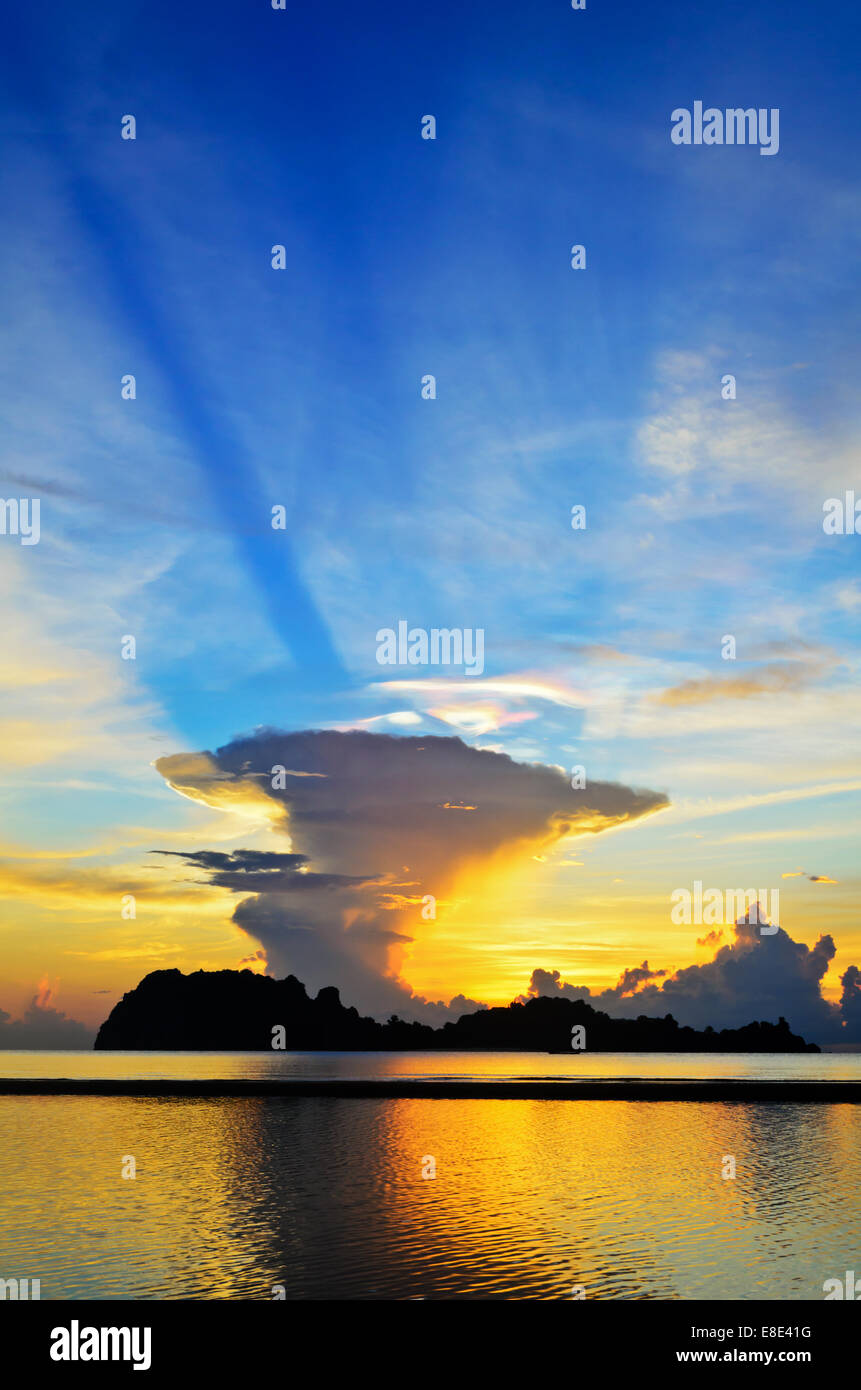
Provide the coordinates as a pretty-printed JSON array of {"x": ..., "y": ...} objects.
[
  {"x": 259, "y": 871},
  {"x": 754, "y": 977},
  {"x": 850, "y": 1002},
  {"x": 257, "y": 962},
  {"x": 691, "y": 809},
  {"x": 65, "y": 703},
  {"x": 549, "y": 982},
  {"x": 379, "y": 819},
  {"x": 525, "y": 686},
  {"x": 777, "y": 678},
  {"x": 479, "y": 718},
  {"x": 439, "y": 1013},
  {"x": 848, "y": 596},
  {"x": 99, "y": 888},
  {"x": 401, "y": 718},
  {"x": 813, "y": 878},
  {"x": 719, "y": 457},
  {"x": 43, "y": 1027},
  {"x": 631, "y": 979}
]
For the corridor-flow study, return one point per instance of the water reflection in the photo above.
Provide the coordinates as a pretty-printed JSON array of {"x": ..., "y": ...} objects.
[
  {"x": 502, "y": 1065},
  {"x": 326, "y": 1197}
]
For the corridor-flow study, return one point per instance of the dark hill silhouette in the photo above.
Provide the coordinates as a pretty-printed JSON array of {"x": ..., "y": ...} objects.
[{"x": 237, "y": 1010}]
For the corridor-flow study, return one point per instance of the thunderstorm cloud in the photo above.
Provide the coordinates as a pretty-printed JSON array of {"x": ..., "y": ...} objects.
[{"x": 375, "y": 823}]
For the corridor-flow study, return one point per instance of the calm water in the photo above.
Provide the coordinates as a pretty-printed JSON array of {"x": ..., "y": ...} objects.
[
  {"x": 326, "y": 1196},
  {"x": 499, "y": 1065}
]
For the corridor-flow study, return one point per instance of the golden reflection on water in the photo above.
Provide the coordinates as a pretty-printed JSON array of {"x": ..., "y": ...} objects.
[
  {"x": 326, "y": 1196},
  {"x": 497, "y": 1065}
]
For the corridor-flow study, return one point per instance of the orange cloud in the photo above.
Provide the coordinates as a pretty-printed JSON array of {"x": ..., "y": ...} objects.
[{"x": 778, "y": 678}]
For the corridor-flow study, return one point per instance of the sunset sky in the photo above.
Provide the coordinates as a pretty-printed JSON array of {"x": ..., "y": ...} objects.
[{"x": 301, "y": 388}]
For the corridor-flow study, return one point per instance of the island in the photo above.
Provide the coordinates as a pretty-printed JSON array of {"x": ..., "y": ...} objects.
[{"x": 242, "y": 1011}]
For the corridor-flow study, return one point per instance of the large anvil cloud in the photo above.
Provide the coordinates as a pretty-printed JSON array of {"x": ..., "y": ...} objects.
[{"x": 375, "y": 823}]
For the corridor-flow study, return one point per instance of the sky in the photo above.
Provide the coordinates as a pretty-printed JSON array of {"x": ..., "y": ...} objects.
[{"x": 256, "y": 388}]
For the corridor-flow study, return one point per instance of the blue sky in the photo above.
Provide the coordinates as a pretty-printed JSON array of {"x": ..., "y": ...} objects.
[{"x": 258, "y": 387}]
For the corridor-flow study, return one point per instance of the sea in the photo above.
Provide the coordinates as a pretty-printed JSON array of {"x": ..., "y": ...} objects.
[{"x": 321, "y": 1197}]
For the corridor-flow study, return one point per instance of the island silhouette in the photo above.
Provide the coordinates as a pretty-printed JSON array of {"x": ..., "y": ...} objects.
[{"x": 241, "y": 1011}]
